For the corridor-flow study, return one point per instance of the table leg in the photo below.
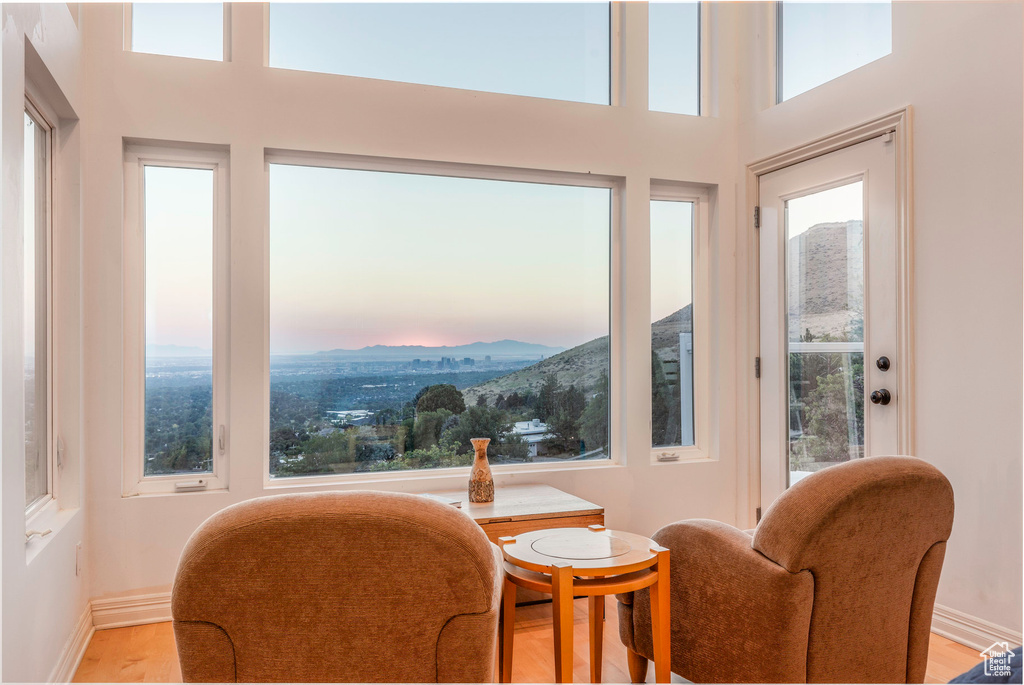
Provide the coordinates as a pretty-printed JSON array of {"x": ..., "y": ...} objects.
[
  {"x": 596, "y": 636},
  {"x": 561, "y": 596},
  {"x": 506, "y": 629},
  {"x": 661, "y": 629}
]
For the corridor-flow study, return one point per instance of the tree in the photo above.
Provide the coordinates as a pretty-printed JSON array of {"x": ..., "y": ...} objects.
[
  {"x": 665, "y": 407},
  {"x": 441, "y": 396},
  {"x": 545, "y": 406},
  {"x": 827, "y": 403},
  {"x": 478, "y": 422},
  {"x": 427, "y": 430},
  {"x": 594, "y": 422},
  {"x": 481, "y": 401},
  {"x": 565, "y": 424}
]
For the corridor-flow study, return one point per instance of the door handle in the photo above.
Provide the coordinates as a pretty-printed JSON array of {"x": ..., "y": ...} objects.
[{"x": 882, "y": 397}]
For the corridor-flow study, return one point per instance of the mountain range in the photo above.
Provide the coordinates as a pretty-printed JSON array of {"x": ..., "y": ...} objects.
[{"x": 504, "y": 349}]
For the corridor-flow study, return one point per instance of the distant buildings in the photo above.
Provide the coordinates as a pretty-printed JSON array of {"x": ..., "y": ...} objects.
[{"x": 533, "y": 432}]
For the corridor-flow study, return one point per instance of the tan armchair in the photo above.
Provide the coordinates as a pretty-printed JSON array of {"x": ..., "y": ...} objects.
[
  {"x": 836, "y": 584},
  {"x": 337, "y": 587}
]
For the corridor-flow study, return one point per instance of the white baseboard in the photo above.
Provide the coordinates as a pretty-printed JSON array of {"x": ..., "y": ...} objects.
[
  {"x": 970, "y": 630},
  {"x": 135, "y": 610},
  {"x": 74, "y": 648}
]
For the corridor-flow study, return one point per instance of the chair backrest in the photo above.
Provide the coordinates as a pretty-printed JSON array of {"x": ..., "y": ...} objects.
[
  {"x": 872, "y": 532},
  {"x": 337, "y": 587}
]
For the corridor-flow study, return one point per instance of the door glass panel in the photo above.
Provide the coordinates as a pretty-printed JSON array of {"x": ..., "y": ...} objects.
[{"x": 825, "y": 319}]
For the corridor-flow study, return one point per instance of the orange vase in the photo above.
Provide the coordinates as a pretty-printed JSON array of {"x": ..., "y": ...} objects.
[{"x": 481, "y": 483}]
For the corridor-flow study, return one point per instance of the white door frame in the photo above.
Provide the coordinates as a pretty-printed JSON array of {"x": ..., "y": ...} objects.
[{"x": 897, "y": 123}]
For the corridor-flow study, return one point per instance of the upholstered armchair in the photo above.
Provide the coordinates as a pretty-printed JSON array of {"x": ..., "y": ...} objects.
[
  {"x": 836, "y": 584},
  {"x": 337, "y": 587}
]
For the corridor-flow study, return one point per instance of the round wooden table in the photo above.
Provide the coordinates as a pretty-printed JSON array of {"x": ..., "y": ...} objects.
[{"x": 592, "y": 562}]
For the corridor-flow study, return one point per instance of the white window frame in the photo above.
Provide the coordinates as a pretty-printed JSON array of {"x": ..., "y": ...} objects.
[
  {"x": 670, "y": 191},
  {"x": 35, "y": 510},
  {"x": 226, "y": 42},
  {"x": 616, "y": 328},
  {"x": 136, "y": 158}
]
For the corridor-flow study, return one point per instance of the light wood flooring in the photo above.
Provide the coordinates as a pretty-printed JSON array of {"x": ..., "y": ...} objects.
[{"x": 146, "y": 654}]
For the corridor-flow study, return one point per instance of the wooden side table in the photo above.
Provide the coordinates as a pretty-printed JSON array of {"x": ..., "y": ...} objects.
[
  {"x": 520, "y": 508},
  {"x": 592, "y": 562}
]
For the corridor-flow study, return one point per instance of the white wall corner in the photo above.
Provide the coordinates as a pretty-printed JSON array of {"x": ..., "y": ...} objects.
[
  {"x": 134, "y": 610},
  {"x": 74, "y": 649},
  {"x": 970, "y": 630}
]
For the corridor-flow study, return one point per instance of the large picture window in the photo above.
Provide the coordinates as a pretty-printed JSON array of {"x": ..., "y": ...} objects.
[
  {"x": 411, "y": 312},
  {"x": 546, "y": 50},
  {"x": 36, "y": 260}
]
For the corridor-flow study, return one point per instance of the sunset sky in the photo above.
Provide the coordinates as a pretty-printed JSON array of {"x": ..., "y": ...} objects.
[{"x": 362, "y": 258}]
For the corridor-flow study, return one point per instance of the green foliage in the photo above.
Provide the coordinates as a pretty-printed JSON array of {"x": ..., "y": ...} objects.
[
  {"x": 438, "y": 456},
  {"x": 665, "y": 405},
  {"x": 427, "y": 429},
  {"x": 317, "y": 453},
  {"x": 565, "y": 423},
  {"x": 594, "y": 422},
  {"x": 481, "y": 422},
  {"x": 826, "y": 404},
  {"x": 546, "y": 405},
  {"x": 443, "y": 396},
  {"x": 179, "y": 429}
]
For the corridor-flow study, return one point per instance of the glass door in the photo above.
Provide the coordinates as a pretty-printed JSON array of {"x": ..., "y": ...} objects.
[{"x": 828, "y": 313}]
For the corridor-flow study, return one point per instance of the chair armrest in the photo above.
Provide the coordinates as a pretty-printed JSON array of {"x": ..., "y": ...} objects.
[{"x": 737, "y": 616}]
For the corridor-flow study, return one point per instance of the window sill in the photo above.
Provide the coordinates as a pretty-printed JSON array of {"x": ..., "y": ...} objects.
[
  {"x": 50, "y": 517},
  {"x": 433, "y": 475}
]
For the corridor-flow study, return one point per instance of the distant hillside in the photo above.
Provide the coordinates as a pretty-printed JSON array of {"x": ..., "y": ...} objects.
[
  {"x": 820, "y": 299},
  {"x": 581, "y": 365},
  {"x": 500, "y": 349}
]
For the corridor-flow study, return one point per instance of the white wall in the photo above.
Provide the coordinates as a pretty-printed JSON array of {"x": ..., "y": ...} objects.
[
  {"x": 959, "y": 65},
  {"x": 250, "y": 107},
  {"x": 43, "y": 598}
]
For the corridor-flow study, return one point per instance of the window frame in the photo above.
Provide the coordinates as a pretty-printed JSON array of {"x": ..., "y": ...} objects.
[
  {"x": 616, "y": 321},
  {"x": 671, "y": 191},
  {"x": 225, "y": 40},
  {"x": 43, "y": 119},
  {"x": 137, "y": 156}
]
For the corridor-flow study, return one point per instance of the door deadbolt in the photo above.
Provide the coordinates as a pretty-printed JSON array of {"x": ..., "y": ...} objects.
[
  {"x": 882, "y": 363},
  {"x": 882, "y": 397}
]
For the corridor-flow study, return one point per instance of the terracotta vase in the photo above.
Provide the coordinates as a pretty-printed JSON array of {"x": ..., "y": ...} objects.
[{"x": 481, "y": 483}]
